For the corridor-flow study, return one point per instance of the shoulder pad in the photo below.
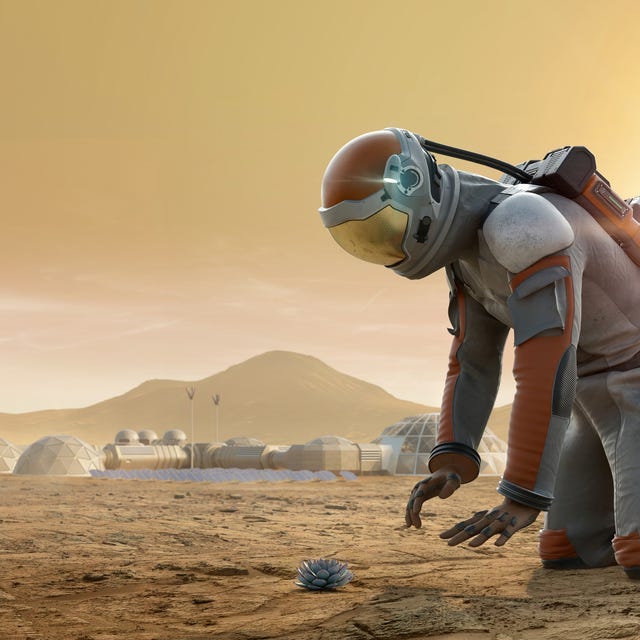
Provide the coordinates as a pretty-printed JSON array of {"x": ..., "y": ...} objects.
[{"x": 523, "y": 229}]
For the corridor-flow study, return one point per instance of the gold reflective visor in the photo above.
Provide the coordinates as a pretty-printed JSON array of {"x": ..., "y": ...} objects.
[{"x": 376, "y": 239}]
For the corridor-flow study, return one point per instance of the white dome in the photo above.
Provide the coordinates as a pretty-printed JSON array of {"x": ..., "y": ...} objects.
[
  {"x": 9, "y": 455},
  {"x": 413, "y": 438},
  {"x": 422, "y": 424},
  {"x": 174, "y": 436},
  {"x": 147, "y": 436},
  {"x": 59, "y": 456},
  {"x": 127, "y": 436}
]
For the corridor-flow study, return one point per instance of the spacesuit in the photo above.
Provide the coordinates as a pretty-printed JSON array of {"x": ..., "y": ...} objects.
[{"x": 533, "y": 261}]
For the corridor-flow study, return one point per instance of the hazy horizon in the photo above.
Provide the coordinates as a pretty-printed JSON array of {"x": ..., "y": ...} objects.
[{"x": 160, "y": 166}]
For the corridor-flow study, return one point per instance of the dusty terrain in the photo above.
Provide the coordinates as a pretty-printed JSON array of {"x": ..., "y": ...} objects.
[{"x": 89, "y": 559}]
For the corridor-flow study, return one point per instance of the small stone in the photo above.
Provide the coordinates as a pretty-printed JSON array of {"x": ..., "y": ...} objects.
[
  {"x": 226, "y": 570},
  {"x": 94, "y": 577},
  {"x": 124, "y": 573}
]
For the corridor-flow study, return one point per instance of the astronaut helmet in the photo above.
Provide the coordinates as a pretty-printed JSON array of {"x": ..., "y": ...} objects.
[{"x": 385, "y": 200}]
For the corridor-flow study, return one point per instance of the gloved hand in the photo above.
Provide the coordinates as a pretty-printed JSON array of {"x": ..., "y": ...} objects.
[
  {"x": 505, "y": 519},
  {"x": 441, "y": 483}
]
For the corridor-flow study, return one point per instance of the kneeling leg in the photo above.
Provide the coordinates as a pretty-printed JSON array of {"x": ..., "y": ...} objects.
[{"x": 580, "y": 523}]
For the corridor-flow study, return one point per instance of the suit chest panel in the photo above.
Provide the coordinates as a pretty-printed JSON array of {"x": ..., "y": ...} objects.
[{"x": 486, "y": 281}]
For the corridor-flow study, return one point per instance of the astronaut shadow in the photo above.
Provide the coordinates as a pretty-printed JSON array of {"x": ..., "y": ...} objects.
[
  {"x": 578, "y": 584},
  {"x": 396, "y": 608}
]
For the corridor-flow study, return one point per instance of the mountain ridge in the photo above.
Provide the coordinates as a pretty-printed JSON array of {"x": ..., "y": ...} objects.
[{"x": 279, "y": 397}]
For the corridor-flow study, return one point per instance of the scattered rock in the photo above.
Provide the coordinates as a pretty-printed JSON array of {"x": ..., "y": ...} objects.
[
  {"x": 225, "y": 570},
  {"x": 188, "y": 577},
  {"x": 94, "y": 577},
  {"x": 201, "y": 600},
  {"x": 124, "y": 573},
  {"x": 340, "y": 507},
  {"x": 168, "y": 566},
  {"x": 272, "y": 570}
]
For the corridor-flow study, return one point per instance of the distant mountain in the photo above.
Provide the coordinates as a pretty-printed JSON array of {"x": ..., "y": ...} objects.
[{"x": 279, "y": 397}]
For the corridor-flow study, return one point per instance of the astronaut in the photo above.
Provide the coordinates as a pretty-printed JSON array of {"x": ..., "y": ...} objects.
[{"x": 535, "y": 262}]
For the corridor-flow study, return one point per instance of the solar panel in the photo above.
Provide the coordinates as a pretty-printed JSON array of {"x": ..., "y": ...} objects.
[{"x": 222, "y": 475}]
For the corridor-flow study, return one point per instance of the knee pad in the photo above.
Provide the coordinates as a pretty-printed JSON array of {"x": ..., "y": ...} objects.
[
  {"x": 627, "y": 552},
  {"x": 557, "y": 552}
]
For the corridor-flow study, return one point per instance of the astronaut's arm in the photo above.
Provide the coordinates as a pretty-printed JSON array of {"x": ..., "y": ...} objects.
[
  {"x": 532, "y": 240},
  {"x": 473, "y": 378},
  {"x": 543, "y": 309}
]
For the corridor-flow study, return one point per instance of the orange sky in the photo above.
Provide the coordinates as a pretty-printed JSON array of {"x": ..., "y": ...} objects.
[{"x": 160, "y": 164}]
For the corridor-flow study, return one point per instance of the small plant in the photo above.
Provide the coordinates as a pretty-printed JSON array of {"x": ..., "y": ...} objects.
[{"x": 322, "y": 574}]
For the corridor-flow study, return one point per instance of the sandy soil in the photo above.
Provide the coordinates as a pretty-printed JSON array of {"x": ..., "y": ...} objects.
[{"x": 85, "y": 559}]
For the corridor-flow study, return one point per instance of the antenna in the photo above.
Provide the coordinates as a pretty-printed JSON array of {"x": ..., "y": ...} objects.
[
  {"x": 216, "y": 402},
  {"x": 192, "y": 392}
]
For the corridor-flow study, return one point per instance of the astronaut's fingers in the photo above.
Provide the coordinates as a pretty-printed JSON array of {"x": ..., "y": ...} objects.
[
  {"x": 419, "y": 494},
  {"x": 505, "y": 524},
  {"x": 452, "y": 483},
  {"x": 442, "y": 482},
  {"x": 503, "y": 520},
  {"x": 507, "y": 532},
  {"x": 487, "y": 532},
  {"x": 515, "y": 523},
  {"x": 435, "y": 484},
  {"x": 465, "y": 529}
]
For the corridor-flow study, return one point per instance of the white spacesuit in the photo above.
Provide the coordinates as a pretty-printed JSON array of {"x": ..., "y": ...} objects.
[{"x": 534, "y": 261}]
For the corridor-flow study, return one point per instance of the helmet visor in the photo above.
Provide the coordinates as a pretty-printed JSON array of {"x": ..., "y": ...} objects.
[{"x": 376, "y": 239}]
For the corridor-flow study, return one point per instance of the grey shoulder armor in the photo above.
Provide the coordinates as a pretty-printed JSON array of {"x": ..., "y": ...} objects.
[{"x": 524, "y": 228}]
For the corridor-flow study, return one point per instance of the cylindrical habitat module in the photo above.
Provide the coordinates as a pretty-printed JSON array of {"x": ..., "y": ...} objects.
[
  {"x": 158, "y": 456},
  {"x": 238, "y": 457}
]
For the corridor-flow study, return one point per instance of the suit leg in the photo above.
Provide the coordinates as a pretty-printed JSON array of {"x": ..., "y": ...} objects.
[
  {"x": 618, "y": 423},
  {"x": 580, "y": 524}
]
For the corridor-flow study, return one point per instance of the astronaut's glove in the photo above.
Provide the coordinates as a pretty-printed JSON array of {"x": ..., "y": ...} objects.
[
  {"x": 441, "y": 483},
  {"x": 504, "y": 520}
]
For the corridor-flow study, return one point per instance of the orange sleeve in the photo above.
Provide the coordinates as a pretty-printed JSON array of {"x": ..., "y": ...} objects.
[{"x": 544, "y": 371}]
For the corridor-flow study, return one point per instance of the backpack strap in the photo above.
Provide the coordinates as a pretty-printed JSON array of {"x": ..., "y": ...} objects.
[{"x": 511, "y": 190}]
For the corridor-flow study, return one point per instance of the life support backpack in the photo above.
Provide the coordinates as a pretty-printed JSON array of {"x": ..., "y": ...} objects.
[{"x": 571, "y": 172}]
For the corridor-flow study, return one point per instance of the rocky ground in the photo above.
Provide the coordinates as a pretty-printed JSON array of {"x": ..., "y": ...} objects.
[{"x": 89, "y": 559}]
